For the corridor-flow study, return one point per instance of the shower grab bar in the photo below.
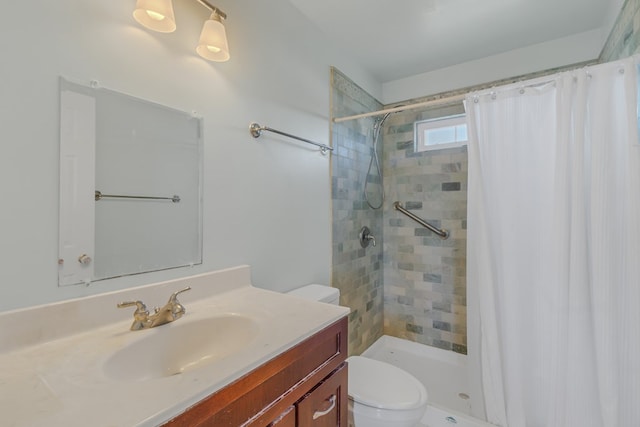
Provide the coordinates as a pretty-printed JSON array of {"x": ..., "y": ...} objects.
[
  {"x": 100, "y": 196},
  {"x": 444, "y": 234},
  {"x": 256, "y": 130}
]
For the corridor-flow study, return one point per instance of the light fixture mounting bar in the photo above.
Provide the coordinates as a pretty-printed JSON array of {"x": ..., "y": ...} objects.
[{"x": 213, "y": 8}]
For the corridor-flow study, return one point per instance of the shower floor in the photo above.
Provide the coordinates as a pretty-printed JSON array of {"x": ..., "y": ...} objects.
[{"x": 443, "y": 373}]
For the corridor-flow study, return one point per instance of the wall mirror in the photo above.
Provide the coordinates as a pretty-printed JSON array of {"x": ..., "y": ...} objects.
[{"x": 130, "y": 185}]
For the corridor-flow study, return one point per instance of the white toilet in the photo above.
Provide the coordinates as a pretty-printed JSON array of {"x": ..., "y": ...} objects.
[
  {"x": 380, "y": 394},
  {"x": 320, "y": 293}
]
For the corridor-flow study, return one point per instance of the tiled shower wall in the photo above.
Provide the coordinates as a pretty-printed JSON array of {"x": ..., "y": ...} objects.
[
  {"x": 624, "y": 39},
  {"x": 357, "y": 272},
  {"x": 419, "y": 282},
  {"x": 424, "y": 275}
]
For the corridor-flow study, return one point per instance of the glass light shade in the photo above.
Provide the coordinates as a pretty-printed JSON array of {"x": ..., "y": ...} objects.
[
  {"x": 213, "y": 40},
  {"x": 156, "y": 15}
]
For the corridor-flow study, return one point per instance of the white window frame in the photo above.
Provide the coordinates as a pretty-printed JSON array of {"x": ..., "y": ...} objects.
[{"x": 442, "y": 122}]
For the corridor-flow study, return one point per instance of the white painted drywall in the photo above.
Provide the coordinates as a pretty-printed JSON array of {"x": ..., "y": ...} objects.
[{"x": 266, "y": 201}]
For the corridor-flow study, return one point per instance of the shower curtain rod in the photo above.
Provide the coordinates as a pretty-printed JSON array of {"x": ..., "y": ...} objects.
[{"x": 446, "y": 100}]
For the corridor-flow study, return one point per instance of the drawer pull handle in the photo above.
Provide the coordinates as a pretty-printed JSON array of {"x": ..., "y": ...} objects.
[{"x": 332, "y": 404}]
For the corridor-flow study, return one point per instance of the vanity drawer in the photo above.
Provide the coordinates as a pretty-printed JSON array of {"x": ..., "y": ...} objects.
[
  {"x": 261, "y": 396},
  {"x": 326, "y": 405}
]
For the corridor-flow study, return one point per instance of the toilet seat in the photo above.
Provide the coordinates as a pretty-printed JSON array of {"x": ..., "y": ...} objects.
[{"x": 384, "y": 386}]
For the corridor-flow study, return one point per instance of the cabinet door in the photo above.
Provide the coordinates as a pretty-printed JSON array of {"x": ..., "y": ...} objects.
[{"x": 326, "y": 405}]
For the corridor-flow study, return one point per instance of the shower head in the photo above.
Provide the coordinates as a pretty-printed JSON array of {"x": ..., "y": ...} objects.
[{"x": 377, "y": 125}]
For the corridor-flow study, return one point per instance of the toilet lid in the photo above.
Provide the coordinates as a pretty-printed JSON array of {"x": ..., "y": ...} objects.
[
  {"x": 383, "y": 386},
  {"x": 317, "y": 292}
]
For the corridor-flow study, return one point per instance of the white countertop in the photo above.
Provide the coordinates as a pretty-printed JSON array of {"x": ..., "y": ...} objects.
[{"x": 53, "y": 357}]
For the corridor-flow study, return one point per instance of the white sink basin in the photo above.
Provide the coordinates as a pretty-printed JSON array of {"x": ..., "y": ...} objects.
[
  {"x": 181, "y": 346},
  {"x": 88, "y": 365}
]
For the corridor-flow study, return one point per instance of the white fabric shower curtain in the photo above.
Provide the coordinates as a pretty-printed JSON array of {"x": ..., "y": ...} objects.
[{"x": 554, "y": 249}]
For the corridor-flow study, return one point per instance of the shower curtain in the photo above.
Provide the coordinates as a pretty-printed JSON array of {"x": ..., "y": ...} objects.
[{"x": 554, "y": 249}]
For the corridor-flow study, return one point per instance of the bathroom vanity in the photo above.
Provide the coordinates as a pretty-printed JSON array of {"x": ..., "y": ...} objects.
[
  {"x": 304, "y": 386},
  {"x": 239, "y": 355}
]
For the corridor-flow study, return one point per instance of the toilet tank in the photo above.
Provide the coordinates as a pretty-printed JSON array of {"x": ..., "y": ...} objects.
[{"x": 315, "y": 292}]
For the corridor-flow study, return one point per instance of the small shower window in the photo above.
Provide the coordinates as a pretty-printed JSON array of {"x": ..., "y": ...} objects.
[{"x": 443, "y": 132}]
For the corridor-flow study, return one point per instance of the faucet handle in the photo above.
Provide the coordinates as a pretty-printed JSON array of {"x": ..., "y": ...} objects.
[
  {"x": 174, "y": 296},
  {"x": 366, "y": 237},
  {"x": 140, "y": 307},
  {"x": 177, "y": 309},
  {"x": 140, "y": 316}
]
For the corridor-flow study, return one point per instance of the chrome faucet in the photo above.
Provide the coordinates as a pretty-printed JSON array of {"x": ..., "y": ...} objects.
[
  {"x": 365, "y": 237},
  {"x": 171, "y": 311}
]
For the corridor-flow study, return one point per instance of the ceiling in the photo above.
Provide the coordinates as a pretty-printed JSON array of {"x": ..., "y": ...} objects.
[{"x": 401, "y": 38}]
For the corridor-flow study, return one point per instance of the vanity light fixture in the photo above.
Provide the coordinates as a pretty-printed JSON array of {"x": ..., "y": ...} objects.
[
  {"x": 157, "y": 15},
  {"x": 213, "y": 39}
]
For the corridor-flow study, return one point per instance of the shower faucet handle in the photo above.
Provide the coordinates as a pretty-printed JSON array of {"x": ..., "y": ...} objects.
[{"x": 366, "y": 237}]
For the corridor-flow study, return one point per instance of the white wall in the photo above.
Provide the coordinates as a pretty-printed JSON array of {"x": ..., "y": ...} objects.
[
  {"x": 266, "y": 201},
  {"x": 556, "y": 53},
  {"x": 573, "y": 49}
]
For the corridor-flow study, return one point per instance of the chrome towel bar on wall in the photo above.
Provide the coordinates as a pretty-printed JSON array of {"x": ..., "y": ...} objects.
[
  {"x": 444, "y": 234},
  {"x": 99, "y": 196},
  {"x": 256, "y": 130}
]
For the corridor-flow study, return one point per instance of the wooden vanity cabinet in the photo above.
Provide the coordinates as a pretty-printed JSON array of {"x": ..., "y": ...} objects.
[{"x": 306, "y": 386}]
